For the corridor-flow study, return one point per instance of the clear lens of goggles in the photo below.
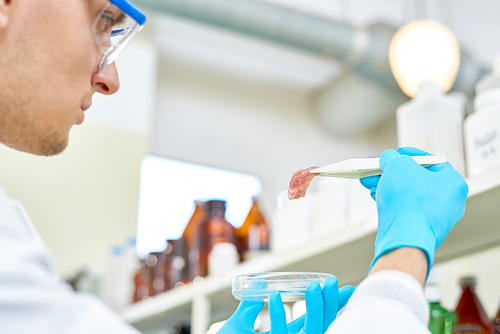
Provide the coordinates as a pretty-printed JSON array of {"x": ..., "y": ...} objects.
[{"x": 113, "y": 30}]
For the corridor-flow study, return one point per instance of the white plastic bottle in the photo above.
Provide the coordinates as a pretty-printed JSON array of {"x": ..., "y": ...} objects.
[
  {"x": 132, "y": 264},
  {"x": 432, "y": 121},
  {"x": 223, "y": 257},
  {"x": 116, "y": 280},
  {"x": 482, "y": 127}
]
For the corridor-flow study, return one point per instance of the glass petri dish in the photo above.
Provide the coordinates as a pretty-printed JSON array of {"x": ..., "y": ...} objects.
[{"x": 291, "y": 285}]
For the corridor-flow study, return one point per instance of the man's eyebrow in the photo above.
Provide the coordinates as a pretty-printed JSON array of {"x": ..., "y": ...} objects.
[{"x": 120, "y": 19}]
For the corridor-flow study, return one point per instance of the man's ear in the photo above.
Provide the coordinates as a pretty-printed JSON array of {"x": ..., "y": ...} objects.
[{"x": 6, "y": 8}]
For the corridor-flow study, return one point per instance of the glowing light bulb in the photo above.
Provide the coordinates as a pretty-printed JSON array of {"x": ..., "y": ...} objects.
[{"x": 423, "y": 51}]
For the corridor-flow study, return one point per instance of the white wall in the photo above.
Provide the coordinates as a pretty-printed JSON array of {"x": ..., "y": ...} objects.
[
  {"x": 228, "y": 112},
  {"x": 250, "y": 127},
  {"x": 83, "y": 200}
]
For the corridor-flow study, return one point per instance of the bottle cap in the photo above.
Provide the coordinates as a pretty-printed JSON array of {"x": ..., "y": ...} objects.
[
  {"x": 117, "y": 250},
  {"x": 429, "y": 89},
  {"x": 432, "y": 278},
  {"x": 433, "y": 293},
  {"x": 491, "y": 80},
  {"x": 487, "y": 98},
  {"x": 132, "y": 241},
  {"x": 496, "y": 65},
  {"x": 468, "y": 281},
  {"x": 216, "y": 203}
]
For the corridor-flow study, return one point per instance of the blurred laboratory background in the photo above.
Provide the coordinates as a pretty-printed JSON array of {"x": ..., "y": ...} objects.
[{"x": 178, "y": 182}]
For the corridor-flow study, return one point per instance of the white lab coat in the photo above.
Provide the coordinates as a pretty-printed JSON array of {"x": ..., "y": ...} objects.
[
  {"x": 388, "y": 302},
  {"x": 33, "y": 298}
]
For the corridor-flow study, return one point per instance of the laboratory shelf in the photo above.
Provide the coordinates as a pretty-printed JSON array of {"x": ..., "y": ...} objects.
[
  {"x": 479, "y": 229},
  {"x": 151, "y": 312},
  {"x": 347, "y": 254}
]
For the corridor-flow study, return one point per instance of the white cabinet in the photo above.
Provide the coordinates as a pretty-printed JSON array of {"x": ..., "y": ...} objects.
[{"x": 346, "y": 254}]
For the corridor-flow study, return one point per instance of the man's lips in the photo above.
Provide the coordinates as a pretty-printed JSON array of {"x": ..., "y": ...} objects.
[{"x": 82, "y": 115}]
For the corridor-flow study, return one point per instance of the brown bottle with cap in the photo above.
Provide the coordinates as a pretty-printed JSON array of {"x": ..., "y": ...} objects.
[
  {"x": 214, "y": 229},
  {"x": 471, "y": 316}
]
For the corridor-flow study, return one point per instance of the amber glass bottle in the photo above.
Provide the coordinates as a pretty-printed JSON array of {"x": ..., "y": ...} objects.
[
  {"x": 178, "y": 271},
  {"x": 154, "y": 272},
  {"x": 156, "y": 261},
  {"x": 214, "y": 229},
  {"x": 495, "y": 324},
  {"x": 471, "y": 316},
  {"x": 191, "y": 229},
  {"x": 253, "y": 234},
  {"x": 190, "y": 235},
  {"x": 142, "y": 280}
]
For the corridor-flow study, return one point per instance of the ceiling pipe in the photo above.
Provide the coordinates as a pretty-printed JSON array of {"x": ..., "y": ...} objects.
[
  {"x": 264, "y": 20},
  {"x": 364, "y": 52},
  {"x": 285, "y": 26}
]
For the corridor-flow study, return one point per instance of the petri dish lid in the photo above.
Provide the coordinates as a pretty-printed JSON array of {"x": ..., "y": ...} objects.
[{"x": 258, "y": 286}]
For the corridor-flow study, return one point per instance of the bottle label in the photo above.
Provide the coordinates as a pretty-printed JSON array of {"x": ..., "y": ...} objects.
[
  {"x": 485, "y": 141},
  {"x": 482, "y": 141},
  {"x": 467, "y": 329}
]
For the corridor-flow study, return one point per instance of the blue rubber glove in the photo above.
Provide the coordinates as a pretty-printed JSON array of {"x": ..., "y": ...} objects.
[
  {"x": 417, "y": 206},
  {"x": 321, "y": 304},
  {"x": 243, "y": 319}
]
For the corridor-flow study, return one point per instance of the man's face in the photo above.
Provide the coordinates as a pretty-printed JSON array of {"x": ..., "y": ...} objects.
[{"x": 48, "y": 61}]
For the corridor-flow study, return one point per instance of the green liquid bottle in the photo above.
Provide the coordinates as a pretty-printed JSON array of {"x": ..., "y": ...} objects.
[{"x": 441, "y": 321}]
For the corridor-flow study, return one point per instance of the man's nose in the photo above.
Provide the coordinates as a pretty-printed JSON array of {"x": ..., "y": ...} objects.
[{"x": 106, "y": 81}]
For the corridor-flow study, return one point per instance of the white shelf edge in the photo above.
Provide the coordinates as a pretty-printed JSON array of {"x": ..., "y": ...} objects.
[
  {"x": 483, "y": 182},
  {"x": 271, "y": 261},
  {"x": 158, "y": 304}
]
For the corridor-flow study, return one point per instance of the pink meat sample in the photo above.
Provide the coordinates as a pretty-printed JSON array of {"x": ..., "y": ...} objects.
[{"x": 300, "y": 182}]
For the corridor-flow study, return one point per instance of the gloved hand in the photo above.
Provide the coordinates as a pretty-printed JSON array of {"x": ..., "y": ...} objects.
[
  {"x": 322, "y": 306},
  {"x": 417, "y": 206}
]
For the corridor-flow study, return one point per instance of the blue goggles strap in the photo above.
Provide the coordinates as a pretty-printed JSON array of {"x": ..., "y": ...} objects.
[{"x": 130, "y": 10}]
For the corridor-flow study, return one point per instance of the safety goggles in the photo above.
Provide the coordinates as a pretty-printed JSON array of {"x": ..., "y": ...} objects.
[{"x": 114, "y": 28}]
